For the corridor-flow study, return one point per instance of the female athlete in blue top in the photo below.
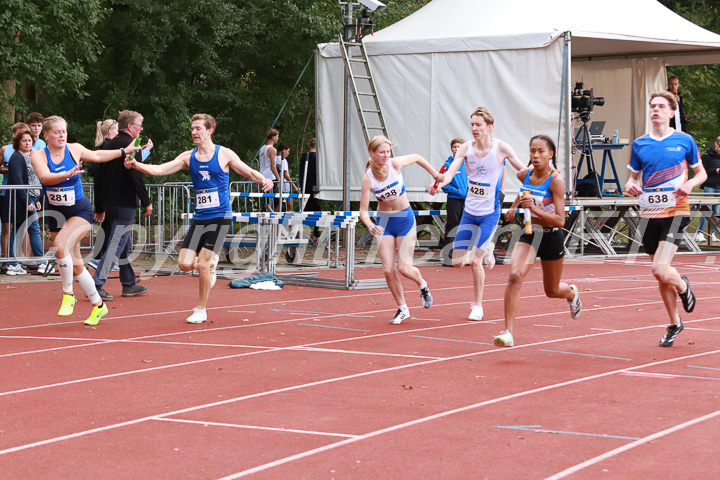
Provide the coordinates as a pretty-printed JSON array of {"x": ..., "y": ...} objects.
[
  {"x": 68, "y": 210},
  {"x": 395, "y": 227},
  {"x": 547, "y": 210}
]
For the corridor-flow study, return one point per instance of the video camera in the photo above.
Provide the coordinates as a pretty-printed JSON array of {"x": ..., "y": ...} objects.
[{"x": 583, "y": 101}]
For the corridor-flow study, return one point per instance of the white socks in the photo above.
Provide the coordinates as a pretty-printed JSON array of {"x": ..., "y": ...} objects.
[
  {"x": 65, "y": 266},
  {"x": 88, "y": 286}
]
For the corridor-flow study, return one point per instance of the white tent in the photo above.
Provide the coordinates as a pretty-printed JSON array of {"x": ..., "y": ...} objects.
[{"x": 519, "y": 58}]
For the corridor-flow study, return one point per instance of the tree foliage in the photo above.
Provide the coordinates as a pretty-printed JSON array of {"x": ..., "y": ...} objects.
[
  {"x": 700, "y": 84},
  {"x": 237, "y": 60}
]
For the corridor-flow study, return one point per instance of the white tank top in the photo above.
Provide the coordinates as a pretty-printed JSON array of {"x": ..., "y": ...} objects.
[
  {"x": 264, "y": 163},
  {"x": 389, "y": 189},
  {"x": 484, "y": 176}
]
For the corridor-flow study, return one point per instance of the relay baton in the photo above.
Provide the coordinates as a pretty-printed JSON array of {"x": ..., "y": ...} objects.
[
  {"x": 526, "y": 212},
  {"x": 437, "y": 182}
]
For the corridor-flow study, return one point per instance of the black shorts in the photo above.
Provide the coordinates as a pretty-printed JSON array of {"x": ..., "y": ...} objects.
[
  {"x": 57, "y": 216},
  {"x": 668, "y": 229},
  {"x": 209, "y": 234},
  {"x": 551, "y": 245},
  {"x": 5, "y": 206}
]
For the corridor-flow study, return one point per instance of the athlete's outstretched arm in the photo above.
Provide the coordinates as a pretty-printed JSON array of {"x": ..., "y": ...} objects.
[
  {"x": 507, "y": 152},
  {"x": 454, "y": 167},
  {"x": 167, "y": 168}
]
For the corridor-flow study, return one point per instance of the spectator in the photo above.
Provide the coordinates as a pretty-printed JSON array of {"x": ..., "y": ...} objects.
[
  {"x": 456, "y": 192},
  {"x": 679, "y": 121},
  {"x": 281, "y": 165},
  {"x": 104, "y": 132},
  {"x": 308, "y": 177},
  {"x": 24, "y": 202},
  {"x": 119, "y": 190},
  {"x": 266, "y": 162},
  {"x": 711, "y": 162}
]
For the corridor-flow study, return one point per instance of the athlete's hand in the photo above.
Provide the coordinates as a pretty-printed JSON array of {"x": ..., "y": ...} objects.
[
  {"x": 130, "y": 163},
  {"x": 510, "y": 215},
  {"x": 376, "y": 230},
  {"x": 267, "y": 185},
  {"x": 432, "y": 190},
  {"x": 683, "y": 190},
  {"x": 632, "y": 188},
  {"x": 99, "y": 217}
]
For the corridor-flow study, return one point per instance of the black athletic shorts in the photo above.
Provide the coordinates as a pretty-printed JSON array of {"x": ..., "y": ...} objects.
[
  {"x": 552, "y": 242},
  {"x": 56, "y": 216},
  {"x": 209, "y": 234},
  {"x": 668, "y": 229}
]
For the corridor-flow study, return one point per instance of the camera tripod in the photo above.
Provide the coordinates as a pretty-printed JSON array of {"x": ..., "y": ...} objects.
[{"x": 586, "y": 153}]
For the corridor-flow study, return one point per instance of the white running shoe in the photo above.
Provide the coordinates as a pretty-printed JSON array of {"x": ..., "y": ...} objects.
[
  {"x": 699, "y": 236},
  {"x": 44, "y": 268},
  {"x": 476, "y": 313},
  {"x": 15, "y": 270},
  {"x": 715, "y": 239},
  {"x": 489, "y": 259},
  {"x": 576, "y": 304},
  {"x": 199, "y": 315},
  {"x": 505, "y": 339},
  {"x": 213, "y": 270},
  {"x": 399, "y": 317}
]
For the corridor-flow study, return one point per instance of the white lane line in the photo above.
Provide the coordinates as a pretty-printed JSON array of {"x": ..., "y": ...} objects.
[
  {"x": 254, "y": 427},
  {"x": 436, "y": 416},
  {"x": 629, "y": 446}
]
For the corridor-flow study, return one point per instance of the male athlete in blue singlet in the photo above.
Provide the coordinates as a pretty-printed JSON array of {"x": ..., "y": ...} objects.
[
  {"x": 209, "y": 166},
  {"x": 484, "y": 159},
  {"x": 661, "y": 158}
]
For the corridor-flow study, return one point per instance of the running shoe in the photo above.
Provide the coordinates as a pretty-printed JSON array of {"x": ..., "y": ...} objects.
[
  {"x": 575, "y": 304},
  {"x": 199, "y": 315},
  {"x": 68, "y": 305},
  {"x": 476, "y": 313},
  {"x": 93, "y": 263},
  {"x": 44, "y": 268},
  {"x": 670, "y": 334},
  {"x": 213, "y": 270},
  {"x": 97, "y": 314},
  {"x": 426, "y": 297},
  {"x": 399, "y": 317},
  {"x": 134, "y": 290},
  {"x": 687, "y": 297},
  {"x": 505, "y": 339},
  {"x": 15, "y": 270}
]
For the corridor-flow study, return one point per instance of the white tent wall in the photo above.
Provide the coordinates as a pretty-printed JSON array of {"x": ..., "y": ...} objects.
[
  {"x": 427, "y": 100},
  {"x": 435, "y": 66}
]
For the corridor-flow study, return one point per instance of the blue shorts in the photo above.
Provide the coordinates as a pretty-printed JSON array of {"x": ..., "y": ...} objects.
[
  {"x": 396, "y": 224},
  {"x": 475, "y": 230}
]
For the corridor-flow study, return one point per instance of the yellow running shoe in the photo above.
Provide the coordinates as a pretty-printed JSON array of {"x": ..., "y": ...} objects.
[
  {"x": 97, "y": 314},
  {"x": 68, "y": 305}
]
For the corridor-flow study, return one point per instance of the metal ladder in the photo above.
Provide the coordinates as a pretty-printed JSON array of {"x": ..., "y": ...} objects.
[{"x": 363, "y": 87}]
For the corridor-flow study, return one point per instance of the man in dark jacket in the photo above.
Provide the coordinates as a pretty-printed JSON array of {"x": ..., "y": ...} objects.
[
  {"x": 456, "y": 192},
  {"x": 711, "y": 162},
  {"x": 116, "y": 197}
]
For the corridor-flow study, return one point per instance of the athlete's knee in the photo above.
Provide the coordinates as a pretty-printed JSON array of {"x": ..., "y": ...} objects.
[
  {"x": 405, "y": 270},
  {"x": 185, "y": 266},
  {"x": 515, "y": 279},
  {"x": 553, "y": 292},
  {"x": 661, "y": 274}
]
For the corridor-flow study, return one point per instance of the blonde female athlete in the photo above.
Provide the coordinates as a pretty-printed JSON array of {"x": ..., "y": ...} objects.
[{"x": 395, "y": 227}]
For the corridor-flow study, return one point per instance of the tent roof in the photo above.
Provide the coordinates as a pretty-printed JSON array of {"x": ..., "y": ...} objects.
[{"x": 642, "y": 27}]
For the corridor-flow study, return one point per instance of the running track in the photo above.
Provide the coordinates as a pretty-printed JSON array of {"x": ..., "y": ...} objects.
[{"x": 313, "y": 383}]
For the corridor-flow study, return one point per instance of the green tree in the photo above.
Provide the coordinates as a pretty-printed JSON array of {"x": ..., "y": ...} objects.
[
  {"x": 700, "y": 84},
  {"x": 46, "y": 47}
]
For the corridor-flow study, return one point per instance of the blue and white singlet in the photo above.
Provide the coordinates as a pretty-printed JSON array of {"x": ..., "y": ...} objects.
[
  {"x": 389, "y": 189},
  {"x": 541, "y": 193},
  {"x": 484, "y": 180},
  {"x": 212, "y": 198},
  {"x": 67, "y": 192}
]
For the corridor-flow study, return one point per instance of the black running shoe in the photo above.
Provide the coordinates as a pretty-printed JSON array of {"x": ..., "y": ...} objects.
[
  {"x": 672, "y": 332},
  {"x": 426, "y": 297},
  {"x": 688, "y": 297}
]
